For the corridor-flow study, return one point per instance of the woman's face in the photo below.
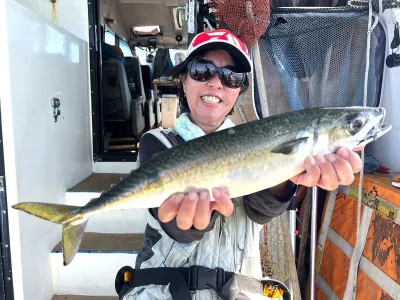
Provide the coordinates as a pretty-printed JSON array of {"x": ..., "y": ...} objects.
[{"x": 210, "y": 102}]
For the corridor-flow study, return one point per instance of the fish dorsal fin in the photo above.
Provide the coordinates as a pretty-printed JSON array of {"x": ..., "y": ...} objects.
[{"x": 290, "y": 147}]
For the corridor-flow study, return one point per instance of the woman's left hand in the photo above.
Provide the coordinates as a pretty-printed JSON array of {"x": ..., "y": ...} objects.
[
  {"x": 331, "y": 170},
  {"x": 194, "y": 207}
]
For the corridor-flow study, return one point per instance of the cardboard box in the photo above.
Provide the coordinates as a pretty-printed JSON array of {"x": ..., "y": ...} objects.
[
  {"x": 169, "y": 109},
  {"x": 378, "y": 274}
]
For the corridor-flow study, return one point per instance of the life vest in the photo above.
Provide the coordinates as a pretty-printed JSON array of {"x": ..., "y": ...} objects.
[{"x": 225, "y": 263}]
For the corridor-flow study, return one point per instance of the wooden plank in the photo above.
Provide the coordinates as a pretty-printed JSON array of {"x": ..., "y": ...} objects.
[
  {"x": 260, "y": 82},
  {"x": 122, "y": 147},
  {"x": 123, "y": 139}
]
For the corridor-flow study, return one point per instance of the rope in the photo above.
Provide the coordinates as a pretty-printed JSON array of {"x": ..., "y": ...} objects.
[{"x": 360, "y": 184}]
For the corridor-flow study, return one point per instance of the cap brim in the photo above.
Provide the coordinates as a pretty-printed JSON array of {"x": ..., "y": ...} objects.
[{"x": 241, "y": 61}]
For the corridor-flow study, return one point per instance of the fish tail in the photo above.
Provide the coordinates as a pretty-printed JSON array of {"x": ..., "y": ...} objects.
[
  {"x": 73, "y": 222},
  {"x": 71, "y": 238}
]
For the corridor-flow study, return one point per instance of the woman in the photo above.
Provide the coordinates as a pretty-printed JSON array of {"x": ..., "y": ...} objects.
[{"x": 189, "y": 230}]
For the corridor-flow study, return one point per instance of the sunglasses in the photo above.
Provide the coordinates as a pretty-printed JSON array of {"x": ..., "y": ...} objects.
[{"x": 204, "y": 70}]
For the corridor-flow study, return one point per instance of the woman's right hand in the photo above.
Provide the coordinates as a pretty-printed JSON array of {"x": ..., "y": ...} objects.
[{"x": 194, "y": 207}]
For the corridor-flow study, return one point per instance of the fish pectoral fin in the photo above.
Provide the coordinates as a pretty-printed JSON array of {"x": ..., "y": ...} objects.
[
  {"x": 71, "y": 239},
  {"x": 290, "y": 147}
]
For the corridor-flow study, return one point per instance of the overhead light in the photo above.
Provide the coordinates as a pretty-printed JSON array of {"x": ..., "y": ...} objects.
[{"x": 146, "y": 30}]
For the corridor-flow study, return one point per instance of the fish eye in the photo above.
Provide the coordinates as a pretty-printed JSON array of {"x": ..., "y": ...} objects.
[{"x": 357, "y": 124}]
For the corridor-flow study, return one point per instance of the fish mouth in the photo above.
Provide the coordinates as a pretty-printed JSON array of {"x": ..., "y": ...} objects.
[
  {"x": 378, "y": 130},
  {"x": 376, "y": 133}
]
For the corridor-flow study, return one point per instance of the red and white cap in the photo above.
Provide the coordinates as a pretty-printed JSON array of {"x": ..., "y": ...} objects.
[{"x": 222, "y": 39}]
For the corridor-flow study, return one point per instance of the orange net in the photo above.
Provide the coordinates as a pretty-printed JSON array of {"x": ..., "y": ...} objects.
[{"x": 246, "y": 19}]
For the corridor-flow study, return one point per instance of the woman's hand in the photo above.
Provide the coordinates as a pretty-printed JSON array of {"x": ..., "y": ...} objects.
[
  {"x": 194, "y": 207},
  {"x": 331, "y": 170}
]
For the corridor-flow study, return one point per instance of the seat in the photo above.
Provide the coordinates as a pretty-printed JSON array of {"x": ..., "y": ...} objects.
[
  {"x": 146, "y": 76},
  {"x": 134, "y": 75},
  {"x": 135, "y": 79},
  {"x": 117, "y": 101},
  {"x": 154, "y": 111},
  {"x": 162, "y": 63}
]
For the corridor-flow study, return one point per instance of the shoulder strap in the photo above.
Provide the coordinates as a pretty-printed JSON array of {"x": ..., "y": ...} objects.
[
  {"x": 161, "y": 137},
  {"x": 167, "y": 136},
  {"x": 174, "y": 138}
]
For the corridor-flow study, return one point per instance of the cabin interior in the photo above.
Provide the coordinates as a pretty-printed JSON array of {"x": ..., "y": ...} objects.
[{"x": 139, "y": 41}]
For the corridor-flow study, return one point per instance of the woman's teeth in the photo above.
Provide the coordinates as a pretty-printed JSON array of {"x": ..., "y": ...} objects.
[{"x": 211, "y": 99}]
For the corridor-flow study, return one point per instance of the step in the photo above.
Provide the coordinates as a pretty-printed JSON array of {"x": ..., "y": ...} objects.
[
  {"x": 123, "y": 140},
  {"x": 117, "y": 221},
  {"x": 122, "y": 147},
  {"x": 121, "y": 167},
  {"x": 92, "y": 271},
  {"x": 98, "y": 182}
]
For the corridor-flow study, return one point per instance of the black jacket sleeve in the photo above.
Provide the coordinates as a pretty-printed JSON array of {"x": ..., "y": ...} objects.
[{"x": 262, "y": 206}]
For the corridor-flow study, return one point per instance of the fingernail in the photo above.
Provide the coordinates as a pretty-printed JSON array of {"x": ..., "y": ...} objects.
[
  {"x": 331, "y": 157},
  {"x": 177, "y": 198},
  {"x": 192, "y": 196},
  {"x": 225, "y": 191},
  {"x": 312, "y": 160},
  {"x": 203, "y": 194},
  {"x": 343, "y": 152},
  {"x": 216, "y": 192},
  {"x": 321, "y": 159}
]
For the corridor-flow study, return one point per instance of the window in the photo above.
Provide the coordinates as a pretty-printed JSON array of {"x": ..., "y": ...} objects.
[
  {"x": 142, "y": 54},
  {"x": 125, "y": 48},
  {"x": 109, "y": 37}
]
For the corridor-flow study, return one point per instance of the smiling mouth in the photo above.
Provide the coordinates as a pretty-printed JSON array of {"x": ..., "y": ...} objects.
[{"x": 211, "y": 99}]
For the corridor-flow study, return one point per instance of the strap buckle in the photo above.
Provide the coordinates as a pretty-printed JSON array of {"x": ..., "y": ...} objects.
[{"x": 200, "y": 278}]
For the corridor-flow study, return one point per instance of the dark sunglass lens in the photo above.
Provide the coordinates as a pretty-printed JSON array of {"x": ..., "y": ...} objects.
[
  {"x": 231, "y": 79},
  {"x": 201, "y": 71}
]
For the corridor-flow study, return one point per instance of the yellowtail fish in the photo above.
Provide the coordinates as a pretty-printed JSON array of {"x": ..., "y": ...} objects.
[{"x": 246, "y": 159}]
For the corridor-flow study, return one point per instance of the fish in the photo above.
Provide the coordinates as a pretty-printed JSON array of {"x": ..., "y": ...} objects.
[{"x": 246, "y": 158}]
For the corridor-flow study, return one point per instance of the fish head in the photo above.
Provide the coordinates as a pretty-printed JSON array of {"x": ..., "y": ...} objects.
[{"x": 352, "y": 127}]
